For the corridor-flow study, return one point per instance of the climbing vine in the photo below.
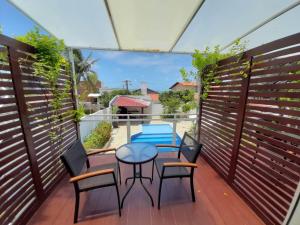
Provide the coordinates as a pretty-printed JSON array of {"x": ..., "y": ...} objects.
[
  {"x": 205, "y": 63},
  {"x": 49, "y": 63}
]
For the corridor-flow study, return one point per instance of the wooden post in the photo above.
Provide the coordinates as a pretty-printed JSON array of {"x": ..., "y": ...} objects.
[
  {"x": 74, "y": 88},
  {"x": 23, "y": 113},
  {"x": 240, "y": 123},
  {"x": 199, "y": 112},
  {"x": 174, "y": 130},
  {"x": 128, "y": 129}
]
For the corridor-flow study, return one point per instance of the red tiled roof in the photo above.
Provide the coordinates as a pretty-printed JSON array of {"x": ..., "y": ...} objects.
[
  {"x": 186, "y": 84},
  {"x": 154, "y": 97},
  {"x": 127, "y": 101}
]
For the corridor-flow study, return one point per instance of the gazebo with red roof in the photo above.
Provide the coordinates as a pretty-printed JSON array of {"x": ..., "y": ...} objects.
[{"x": 130, "y": 102}]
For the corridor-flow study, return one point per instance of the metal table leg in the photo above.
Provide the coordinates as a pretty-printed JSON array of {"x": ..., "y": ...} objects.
[
  {"x": 144, "y": 186},
  {"x": 140, "y": 176},
  {"x": 134, "y": 172}
]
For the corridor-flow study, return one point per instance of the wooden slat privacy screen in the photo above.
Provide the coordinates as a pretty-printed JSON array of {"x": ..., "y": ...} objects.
[
  {"x": 29, "y": 161},
  {"x": 250, "y": 127}
]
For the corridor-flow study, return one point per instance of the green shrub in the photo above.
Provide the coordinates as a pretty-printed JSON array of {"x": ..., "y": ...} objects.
[
  {"x": 172, "y": 101},
  {"x": 99, "y": 137}
]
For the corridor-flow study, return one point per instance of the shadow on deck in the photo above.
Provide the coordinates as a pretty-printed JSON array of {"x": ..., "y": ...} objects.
[{"x": 216, "y": 202}]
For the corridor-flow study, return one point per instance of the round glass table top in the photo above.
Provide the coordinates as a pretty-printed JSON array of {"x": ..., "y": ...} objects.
[{"x": 136, "y": 153}]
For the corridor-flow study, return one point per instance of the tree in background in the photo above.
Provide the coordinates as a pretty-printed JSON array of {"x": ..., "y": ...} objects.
[
  {"x": 83, "y": 68},
  {"x": 86, "y": 78},
  {"x": 86, "y": 87},
  {"x": 172, "y": 101}
]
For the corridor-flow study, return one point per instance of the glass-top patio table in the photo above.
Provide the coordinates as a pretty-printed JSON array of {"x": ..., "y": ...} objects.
[{"x": 136, "y": 154}]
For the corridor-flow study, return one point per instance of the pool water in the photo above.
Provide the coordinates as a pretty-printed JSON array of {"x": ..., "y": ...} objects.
[{"x": 156, "y": 134}]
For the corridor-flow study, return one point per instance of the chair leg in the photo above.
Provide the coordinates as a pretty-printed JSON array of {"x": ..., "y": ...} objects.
[
  {"x": 192, "y": 188},
  {"x": 119, "y": 172},
  {"x": 119, "y": 204},
  {"x": 77, "y": 200},
  {"x": 159, "y": 192}
]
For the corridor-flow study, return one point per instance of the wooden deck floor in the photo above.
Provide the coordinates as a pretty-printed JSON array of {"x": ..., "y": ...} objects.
[{"x": 216, "y": 203}]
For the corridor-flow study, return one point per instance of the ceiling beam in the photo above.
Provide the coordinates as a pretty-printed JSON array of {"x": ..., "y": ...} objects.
[
  {"x": 186, "y": 26},
  {"x": 112, "y": 24},
  {"x": 131, "y": 50}
]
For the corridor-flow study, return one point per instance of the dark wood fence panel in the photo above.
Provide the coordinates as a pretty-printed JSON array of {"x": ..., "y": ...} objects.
[
  {"x": 264, "y": 164},
  {"x": 29, "y": 157},
  {"x": 17, "y": 190},
  {"x": 268, "y": 168},
  {"x": 38, "y": 96},
  {"x": 219, "y": 115}
]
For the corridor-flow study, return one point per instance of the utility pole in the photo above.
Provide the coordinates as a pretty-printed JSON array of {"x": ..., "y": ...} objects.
[{"x": 127, "y": 83}]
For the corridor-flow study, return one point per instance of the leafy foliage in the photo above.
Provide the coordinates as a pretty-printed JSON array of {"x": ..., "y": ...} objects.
[
  {"x": 172, "y": 101},
  {"x": 83, "y": 68},
  {"x": 206, "y": 61},
  {"x": 87, "y": 87},
  {"x": 78, "y": 113},
  {"x": 49, "y": 62},
  {"x": 99, "y": 137}
]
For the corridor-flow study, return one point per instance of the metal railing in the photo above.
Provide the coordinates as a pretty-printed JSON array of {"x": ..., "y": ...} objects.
[{"x": 133, "y": 119}]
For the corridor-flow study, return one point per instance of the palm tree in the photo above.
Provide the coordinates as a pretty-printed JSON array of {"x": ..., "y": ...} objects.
[{"x": 83, "y": 67}]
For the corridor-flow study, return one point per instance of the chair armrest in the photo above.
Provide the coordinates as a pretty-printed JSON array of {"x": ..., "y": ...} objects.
[
  {"x": 167, "y": 146},
  {"x": 180, "y": 164},
  {"x": 101, "y": 150},
  {"x": 91, "y": 174}
]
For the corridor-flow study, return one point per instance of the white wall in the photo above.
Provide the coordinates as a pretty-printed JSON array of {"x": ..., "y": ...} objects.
[
  {"x": 89, "y": 122},
  {"x": 157, "y": 108}
]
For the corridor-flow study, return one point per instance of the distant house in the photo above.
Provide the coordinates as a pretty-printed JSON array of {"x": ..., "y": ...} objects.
[
  {"x": 154, "y": 95},
  {"x": 94, "y": 98},
  {"x": 149, "y": 91},
  {"x": 181, "y": 86},
  {"x": 132, "y": 104}
]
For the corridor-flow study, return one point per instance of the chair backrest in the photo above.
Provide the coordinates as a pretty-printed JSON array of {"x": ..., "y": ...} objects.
[
  {"x": 74, "y": 158},
  {"x": 190, "y": 148}
]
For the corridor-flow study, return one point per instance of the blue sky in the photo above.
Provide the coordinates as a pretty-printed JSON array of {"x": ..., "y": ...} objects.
[
  {"x": 213, "y": 25},
  {"x": 159, "y": 71}
]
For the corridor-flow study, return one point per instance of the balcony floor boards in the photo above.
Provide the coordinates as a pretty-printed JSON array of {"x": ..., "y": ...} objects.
[{"x": 216, "y": 203}]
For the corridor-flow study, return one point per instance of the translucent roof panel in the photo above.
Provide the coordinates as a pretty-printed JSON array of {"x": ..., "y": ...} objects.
[
  {"x": 79, "y": 23},
  {"x": 152, "y": 24},
  {"x": 283, "y": 26},
  {"x": 221, "y": 22},
  {"x": 159, "y": 25}
]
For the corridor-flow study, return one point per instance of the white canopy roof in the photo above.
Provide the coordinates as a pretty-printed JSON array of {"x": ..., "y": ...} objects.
[{"x": 153, "y": 25}]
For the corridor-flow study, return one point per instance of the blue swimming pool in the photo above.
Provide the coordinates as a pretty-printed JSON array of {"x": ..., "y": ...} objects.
[{"x": 156, "y": 134}]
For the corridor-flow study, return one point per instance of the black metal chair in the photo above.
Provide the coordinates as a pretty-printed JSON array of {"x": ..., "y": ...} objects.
[
  {"x": 174, "y": 167},
  {"x": 84, "y": 177}
]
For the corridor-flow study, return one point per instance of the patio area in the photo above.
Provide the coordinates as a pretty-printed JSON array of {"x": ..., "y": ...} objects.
[
  {"x": 248, "y": 118},
  {"x": 216, "y": 203}
]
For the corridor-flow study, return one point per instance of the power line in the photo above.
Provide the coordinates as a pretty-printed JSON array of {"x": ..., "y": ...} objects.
[{"x": 127, "y": 83}]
